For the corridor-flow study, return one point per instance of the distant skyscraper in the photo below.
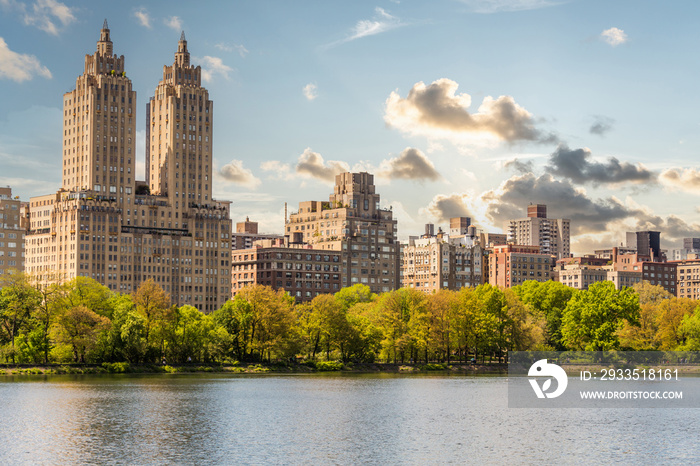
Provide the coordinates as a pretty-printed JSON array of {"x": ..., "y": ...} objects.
[
  {"x": 551, "y": 235},
  {"x": 99, "y": 225},
  {"x": 646, "y": 242}
]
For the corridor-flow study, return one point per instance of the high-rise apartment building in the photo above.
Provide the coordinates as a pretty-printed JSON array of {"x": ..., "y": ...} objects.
[
  {"x": 553, "y": 236},
  {"x": 11, "y": 233},
  {"x": 352, "y": 222},
  {"x": 104, "y": 224}
]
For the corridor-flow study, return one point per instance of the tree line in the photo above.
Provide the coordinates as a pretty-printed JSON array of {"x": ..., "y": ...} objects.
[{"x": 83, "y": 321}]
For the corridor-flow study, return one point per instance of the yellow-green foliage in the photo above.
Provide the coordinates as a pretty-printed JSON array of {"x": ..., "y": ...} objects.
[{"x": 83, "y": 321}]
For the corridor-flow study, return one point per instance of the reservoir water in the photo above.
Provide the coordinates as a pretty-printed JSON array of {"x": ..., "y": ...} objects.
[{"x": 320, "y": 419}]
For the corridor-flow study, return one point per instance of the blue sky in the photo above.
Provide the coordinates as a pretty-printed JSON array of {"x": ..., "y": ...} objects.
[{"x": 473, "y": 107}]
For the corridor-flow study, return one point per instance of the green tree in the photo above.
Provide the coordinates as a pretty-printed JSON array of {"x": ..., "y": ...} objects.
[
  {"x": 689, "y": 332},
  {"x": 365, "y": 339},
  {"x": 351, "y": 295},
  {"x": 547, "y": 300},
  {"x": 333, "y": 328},
  {"x": 259, "y": 321},
  {"x": 79, "y": 327},
  {"x": 670, "y": 316},
  {"x": 593, "y": 318},
  {"x": 18, "y": 299},
  {"x": 87, "y": 292},
  {"x": 395, "y": 309},
  {"x": 525, "y": 330},
  {"x": 188, "y": 339},
  {"x": 438, "y": 331},
  {"x": 153, "y": 304},
  {"x": 51, "y": 303},
  {"x": 494, "y": 319},
  {"x": 309, "y": 328}
]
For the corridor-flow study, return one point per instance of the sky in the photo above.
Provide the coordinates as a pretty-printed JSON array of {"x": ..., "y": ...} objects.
[{"x": 458, "y": 107}]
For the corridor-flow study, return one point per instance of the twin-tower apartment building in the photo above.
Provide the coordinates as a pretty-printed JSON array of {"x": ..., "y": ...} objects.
[{"x": 103, "y": 223}]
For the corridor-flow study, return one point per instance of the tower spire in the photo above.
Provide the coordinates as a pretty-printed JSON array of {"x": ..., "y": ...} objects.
[
  {"x": 182, "y": 56},
  {"x": 104, "y": 45}
]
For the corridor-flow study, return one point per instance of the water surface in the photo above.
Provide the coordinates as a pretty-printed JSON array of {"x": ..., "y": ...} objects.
[{"x": 320, "y": 419}]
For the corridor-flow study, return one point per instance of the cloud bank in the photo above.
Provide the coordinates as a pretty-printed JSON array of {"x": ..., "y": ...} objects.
[
  {"x": 577, "y": 166},
  {"x": 436, "y": 111}
]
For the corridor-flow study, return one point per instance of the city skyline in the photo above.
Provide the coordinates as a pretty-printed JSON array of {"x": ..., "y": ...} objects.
[{"x": 472, "y": 108}]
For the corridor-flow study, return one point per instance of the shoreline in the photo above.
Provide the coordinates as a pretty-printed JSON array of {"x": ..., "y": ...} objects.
[{"x": 252, "y": 368}]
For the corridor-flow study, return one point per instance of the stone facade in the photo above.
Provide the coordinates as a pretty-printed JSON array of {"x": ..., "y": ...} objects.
[
  {"x": 300, "y": 270},
  {"x": 511, "y": 265}
]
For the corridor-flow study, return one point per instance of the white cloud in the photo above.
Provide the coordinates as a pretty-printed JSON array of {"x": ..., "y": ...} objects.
[
  {"x": 173, "y": 22},
  {"x": 310, "y": 91},
  {"x": 143, "y": 17},
  {"x": 212, "y": 66},
  {"x": 20, "y": 67},
  {"x": 235, "y": 172},
  {"x": 242, "y": 51},
  {"x": 44, "y": 14},
  {"x": 614, "y": 36},
  {"x": 312, "y": 165},
  {"x": 411, "y": 164},
  {"x": 381, "y": 22}
]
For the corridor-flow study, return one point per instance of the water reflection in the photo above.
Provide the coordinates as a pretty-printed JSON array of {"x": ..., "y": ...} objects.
[{"x": 319, "y": 419}]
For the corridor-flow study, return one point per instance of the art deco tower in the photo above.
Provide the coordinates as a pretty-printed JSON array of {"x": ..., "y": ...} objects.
[
  {"x": 99, "y": 225},
  {"x": 179, "y": 134},
  {"x": 99, "y": 125}
]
